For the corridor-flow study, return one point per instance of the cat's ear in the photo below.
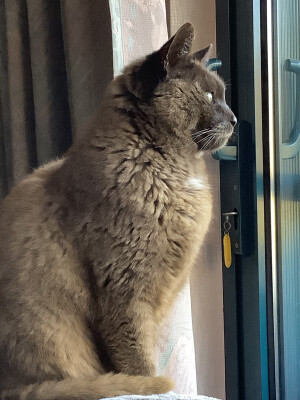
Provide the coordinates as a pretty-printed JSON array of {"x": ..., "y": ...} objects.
[
  {"x": 180, "y": 44},
  {"x": 154, "y": 68},
  {"x": 203, "y": 55}
]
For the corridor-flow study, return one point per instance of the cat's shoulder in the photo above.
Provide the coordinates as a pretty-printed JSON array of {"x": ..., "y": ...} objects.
[{"x": 29, "y": 192}]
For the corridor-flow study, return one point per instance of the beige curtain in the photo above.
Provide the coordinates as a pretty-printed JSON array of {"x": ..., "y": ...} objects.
[{"x": 56, "y": 60}]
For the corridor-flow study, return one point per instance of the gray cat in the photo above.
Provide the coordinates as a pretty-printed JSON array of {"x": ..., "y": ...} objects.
[{"x": 94, "y": 247}]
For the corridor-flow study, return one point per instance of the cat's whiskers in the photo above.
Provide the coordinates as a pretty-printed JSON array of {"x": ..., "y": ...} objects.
[
  {"x": 205, "y": 134},
  {"x": 206, "y": 138},
  {"x": 201, "y": 130},
  {"x": 195, "y": 135},
  {"x": 205, "y": 144},
  {"x": 206, "y": 147},
  {"x": 209, "y": 141}
]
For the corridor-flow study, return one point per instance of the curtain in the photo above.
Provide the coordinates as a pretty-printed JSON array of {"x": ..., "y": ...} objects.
[{"x": 56, "y": 60}]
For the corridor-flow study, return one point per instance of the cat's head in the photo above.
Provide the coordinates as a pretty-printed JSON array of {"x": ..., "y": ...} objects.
[{"x": 183, "y": 93}]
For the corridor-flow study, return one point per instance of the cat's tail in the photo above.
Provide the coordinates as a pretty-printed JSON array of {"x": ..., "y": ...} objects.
[{"x": 108, "y": 385}]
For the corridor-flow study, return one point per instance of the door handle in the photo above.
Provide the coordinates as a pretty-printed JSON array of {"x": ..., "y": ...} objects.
[
  {"x": 236, "y": 177},
  {"x": 214, "y": 64},
  {"x": 291, "y": 148},
  {"x": 236, "y": 181},
  {"x": 226, "y": 153}
]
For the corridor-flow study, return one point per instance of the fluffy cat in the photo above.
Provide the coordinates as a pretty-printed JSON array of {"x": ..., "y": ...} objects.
[{"x": 94, "y": 247}]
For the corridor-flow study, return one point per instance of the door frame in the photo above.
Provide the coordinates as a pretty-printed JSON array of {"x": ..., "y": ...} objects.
[{"x": 247, "y": 285}]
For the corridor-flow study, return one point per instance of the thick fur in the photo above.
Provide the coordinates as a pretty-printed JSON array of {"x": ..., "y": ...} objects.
[{"x": 95, "y": 247}]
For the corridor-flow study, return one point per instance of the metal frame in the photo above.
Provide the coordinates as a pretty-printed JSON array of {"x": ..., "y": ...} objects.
[
  {"x": 269, "y": 195},
  {"x": 282, "y": 151},
  {"x": 230, "y": 295},
  {"x": 245, "y": 283}
]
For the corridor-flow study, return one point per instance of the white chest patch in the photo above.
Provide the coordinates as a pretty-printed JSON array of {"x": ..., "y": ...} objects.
[{"x": 195, "y": 184}]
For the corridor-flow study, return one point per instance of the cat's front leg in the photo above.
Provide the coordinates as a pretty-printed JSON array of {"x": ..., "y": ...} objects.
[{"x": 129, "y": 334}]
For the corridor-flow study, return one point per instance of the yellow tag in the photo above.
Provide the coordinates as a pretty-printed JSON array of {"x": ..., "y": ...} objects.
[{"x": 227, "y": 250}]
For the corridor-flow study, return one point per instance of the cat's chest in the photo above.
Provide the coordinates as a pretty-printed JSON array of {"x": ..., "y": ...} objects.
[
  {"x": 178, "y": 232},
  {"x": 192, "y": 190},
  {"x": 182, "y": 214},
  {"x": 178, "y": 202},
  {"x": 195, "y": 184}
]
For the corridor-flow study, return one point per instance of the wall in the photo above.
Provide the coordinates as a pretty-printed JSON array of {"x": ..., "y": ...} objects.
[{"x": 206, "y": 281}]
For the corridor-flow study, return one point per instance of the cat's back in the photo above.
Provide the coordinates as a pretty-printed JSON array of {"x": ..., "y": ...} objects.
[
  {"x": 22, "y": 209},
  {"x": 39, "y": 268},
  {"x": 30, "y": 237}
]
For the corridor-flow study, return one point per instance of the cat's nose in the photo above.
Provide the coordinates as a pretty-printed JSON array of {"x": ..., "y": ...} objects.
[{"x": 233, "y": 120}]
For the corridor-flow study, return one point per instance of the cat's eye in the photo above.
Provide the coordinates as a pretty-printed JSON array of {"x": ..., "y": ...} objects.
[{"x": 209, "y": 96}]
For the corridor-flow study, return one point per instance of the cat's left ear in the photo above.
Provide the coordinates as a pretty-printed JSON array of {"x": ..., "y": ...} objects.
[
  {"x": 179, "y": 45},
  {"x": 154, "y": 69},
  {"x": 203, "y": 55}
]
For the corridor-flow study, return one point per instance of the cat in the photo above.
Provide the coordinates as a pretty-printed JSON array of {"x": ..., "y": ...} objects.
[{"x": 95, "y": 246}]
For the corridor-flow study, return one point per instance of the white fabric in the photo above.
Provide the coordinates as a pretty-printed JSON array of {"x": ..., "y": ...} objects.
[
  {"x": 175, "y": 350},
  {"x": 167, "y": 396}
]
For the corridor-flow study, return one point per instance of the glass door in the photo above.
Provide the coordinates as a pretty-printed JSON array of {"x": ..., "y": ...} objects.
[
  {"x": 285, "y": 21},
  {"x": 262, "y": 287}
]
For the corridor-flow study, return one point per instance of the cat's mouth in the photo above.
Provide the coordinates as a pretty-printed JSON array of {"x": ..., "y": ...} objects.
[{"x": 212, "y": 138}]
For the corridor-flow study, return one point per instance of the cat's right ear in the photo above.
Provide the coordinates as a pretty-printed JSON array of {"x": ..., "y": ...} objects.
[
  {"x": 203, "y": 55},
  {"x": 180, "y": 44}
]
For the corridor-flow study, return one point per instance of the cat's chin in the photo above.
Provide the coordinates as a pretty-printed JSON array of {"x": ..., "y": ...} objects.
[{"x": 222, "y": 144}]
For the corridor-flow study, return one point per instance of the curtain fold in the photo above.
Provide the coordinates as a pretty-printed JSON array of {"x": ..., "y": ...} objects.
[
  {"x": 49, "y": 80},
  {"x": 88, "y": 52},
  {"x": 55, "y": 62},
  {"x": 17, "y": 123}
]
